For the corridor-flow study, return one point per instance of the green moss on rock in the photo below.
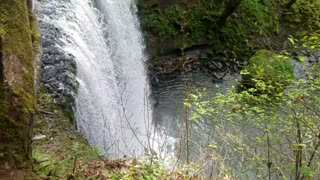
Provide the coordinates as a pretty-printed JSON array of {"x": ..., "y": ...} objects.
[
  {"x": 17, "y": 102},
  {"x": 194, "y": 23},
  {"x": 266, "y": 70}
]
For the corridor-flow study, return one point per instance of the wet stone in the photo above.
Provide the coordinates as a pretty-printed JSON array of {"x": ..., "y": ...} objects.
[{"x": 59, "y": 68}]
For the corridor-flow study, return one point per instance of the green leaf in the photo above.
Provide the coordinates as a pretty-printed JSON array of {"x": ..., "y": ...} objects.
[
  {"x": 213, "y": 145},
  {"x": 301, "y": 59},
  {"x": 306, "y": 170},
  {"x": 244, "y": 72},
  {"x": 187, "y": 104},
  {"x": 291, "y": 41}
]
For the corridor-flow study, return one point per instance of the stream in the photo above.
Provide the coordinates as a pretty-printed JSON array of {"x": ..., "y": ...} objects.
[{"x": 170, "y": 113}]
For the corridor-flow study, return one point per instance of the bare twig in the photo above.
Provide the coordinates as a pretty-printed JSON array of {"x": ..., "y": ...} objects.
[{"x": 45, "y": 112}]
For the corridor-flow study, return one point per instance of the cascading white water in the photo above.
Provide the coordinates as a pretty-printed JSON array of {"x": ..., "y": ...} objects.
[
  {"x": 128, "y": 54},
  {"x": 112, "y": 108}
]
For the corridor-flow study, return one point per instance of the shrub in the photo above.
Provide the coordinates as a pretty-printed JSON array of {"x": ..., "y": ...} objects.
[{"x": 157, "y": 24}]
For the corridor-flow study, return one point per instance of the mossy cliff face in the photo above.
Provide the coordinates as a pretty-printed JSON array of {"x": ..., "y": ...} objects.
[
  {"x": 19, "y": 48},
  {"x": 183, "y": 24},
  {"x": 176, "y": 27}
]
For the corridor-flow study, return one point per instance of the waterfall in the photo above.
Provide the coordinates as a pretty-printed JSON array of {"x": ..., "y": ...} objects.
[
  {"x": 103, "y": 38},
  {"x": 127, "y": 44}
]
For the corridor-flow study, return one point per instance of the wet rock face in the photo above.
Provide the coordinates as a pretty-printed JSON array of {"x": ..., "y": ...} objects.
[{"x": 58, "y": 74}]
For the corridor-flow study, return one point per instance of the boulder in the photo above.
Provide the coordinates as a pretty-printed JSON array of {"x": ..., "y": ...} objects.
[{"x": 267, "y": 71}]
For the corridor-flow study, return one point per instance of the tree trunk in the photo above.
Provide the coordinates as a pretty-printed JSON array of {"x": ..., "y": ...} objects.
[
  {"x": 290, "y": 3},
  {"x": 231, "y": 6},
  {"x": 17, "y": 102}
]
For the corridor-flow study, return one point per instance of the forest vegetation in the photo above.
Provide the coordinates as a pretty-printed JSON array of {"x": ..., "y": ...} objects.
[{"x": 266, "y": 127}]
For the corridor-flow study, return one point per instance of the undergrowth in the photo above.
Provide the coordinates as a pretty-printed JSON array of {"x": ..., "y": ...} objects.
[{"x": 65, "y": 154}]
